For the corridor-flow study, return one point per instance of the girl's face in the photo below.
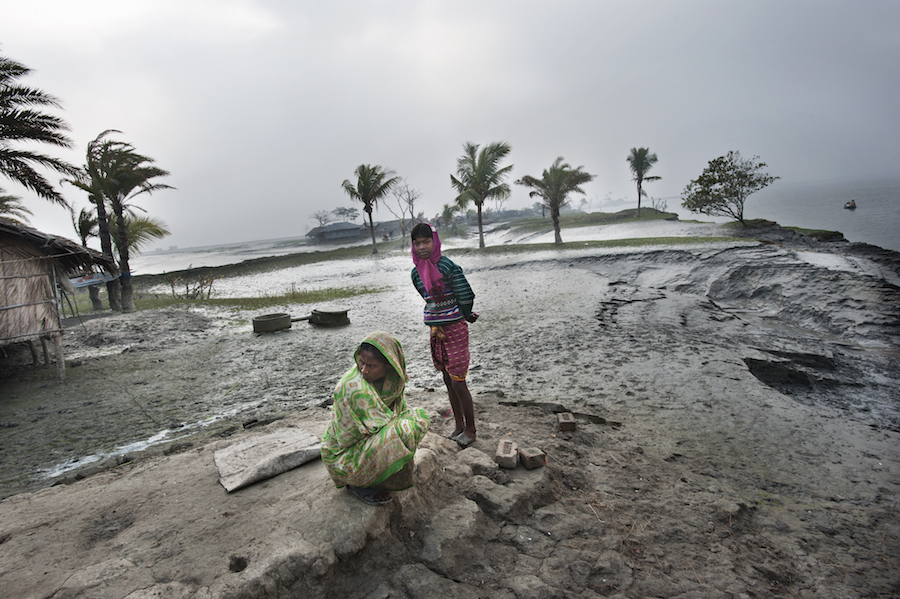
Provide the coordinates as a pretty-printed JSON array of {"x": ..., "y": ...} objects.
[
  {"x": 423, "y": 246},
  {"x": 370, "y": 366}
]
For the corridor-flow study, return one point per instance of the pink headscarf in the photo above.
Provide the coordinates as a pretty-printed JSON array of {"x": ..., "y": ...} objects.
[{"x": 427, "y": 267}]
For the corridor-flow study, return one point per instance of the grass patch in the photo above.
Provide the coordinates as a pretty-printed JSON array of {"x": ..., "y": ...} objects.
[
  {"x": 750, "y": 223},
  {"x": 573, "y": 220},
  {"x": 580, "y": 245},
  {"x": 151, "y": 301},
  {"x": 820, "y": 234},
  {"x": 760, "y": 223},
  {"x": 265, "y": 264}
]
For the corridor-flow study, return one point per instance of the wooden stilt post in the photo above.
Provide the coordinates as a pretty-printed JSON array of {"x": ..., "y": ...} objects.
[{"x": 60, "y": 358}]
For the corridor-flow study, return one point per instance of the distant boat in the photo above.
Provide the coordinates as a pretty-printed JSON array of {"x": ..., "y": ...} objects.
[{"x": 851, "y": 205}]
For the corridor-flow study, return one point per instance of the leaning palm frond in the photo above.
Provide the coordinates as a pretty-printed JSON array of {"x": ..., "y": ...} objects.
[
  {"x": 11, "y": 208},
  {"x": 141, "y": 231},
  {"x": 22, "y": 122}
]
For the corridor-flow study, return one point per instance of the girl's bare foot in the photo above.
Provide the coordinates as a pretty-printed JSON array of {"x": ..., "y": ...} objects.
[{"x": 465, "y": 439}]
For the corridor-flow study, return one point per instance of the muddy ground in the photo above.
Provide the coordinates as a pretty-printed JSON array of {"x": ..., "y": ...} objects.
[{"x": 737, "y": 436}]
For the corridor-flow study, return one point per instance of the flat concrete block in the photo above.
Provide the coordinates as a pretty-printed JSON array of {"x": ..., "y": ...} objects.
[
  {"x": 532, "y": 457},
  {"x": 507, "y": 454},
  {"x": 566, "y": 421}
]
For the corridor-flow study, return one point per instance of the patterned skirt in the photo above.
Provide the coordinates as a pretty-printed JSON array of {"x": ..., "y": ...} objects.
[{"x": 450, "y": 349}]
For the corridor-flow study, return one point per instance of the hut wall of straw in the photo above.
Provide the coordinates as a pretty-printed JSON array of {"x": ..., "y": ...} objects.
[{"x": 28, "y": 304}]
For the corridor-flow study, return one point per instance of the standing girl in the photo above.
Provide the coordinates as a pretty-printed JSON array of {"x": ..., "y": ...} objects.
[{"x": 448, "y": 307}]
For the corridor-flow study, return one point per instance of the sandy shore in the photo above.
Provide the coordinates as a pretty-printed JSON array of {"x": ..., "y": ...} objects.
[{"x": 737, "y": 436}]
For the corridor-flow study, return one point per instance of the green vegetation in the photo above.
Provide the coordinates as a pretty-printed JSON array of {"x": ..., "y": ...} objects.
[
  {"x": 724, "y": 186},
  {"x": 580, "y": 245},
  {"x": 114, "y": 175},
  {"x": 572, "y": 220},
  {"x": 260, "y": 265},
  {"x": 152, "y": 301},
  {"x": 480, "y": 178},
  {"x": 372, "y": 184},
  {"x": 554, "y": 187},
  {"x": 640, "y": 161},
  {"x": 820, "y": 234},
  {"x": 23, "y": 125}
]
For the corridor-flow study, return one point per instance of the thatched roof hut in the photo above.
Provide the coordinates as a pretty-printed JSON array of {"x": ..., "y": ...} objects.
[{"x": 32, "y": 265}]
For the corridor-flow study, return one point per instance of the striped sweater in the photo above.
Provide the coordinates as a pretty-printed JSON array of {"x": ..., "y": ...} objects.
[{"x": 455, "y": 301}]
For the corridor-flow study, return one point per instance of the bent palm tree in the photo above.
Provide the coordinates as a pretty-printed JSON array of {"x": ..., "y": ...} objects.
[
  {"x": 372, "y": 184},
  {"x": 641, "y": 161},
  {"x": 87, "y": 181},
  {"x": 554, "y": 187},
  {"x": 117, "y": 174},
  {"x": 20, "y": 121},
  {"x": 86, "y": 226},
  {"x": 481, "y": 178}
]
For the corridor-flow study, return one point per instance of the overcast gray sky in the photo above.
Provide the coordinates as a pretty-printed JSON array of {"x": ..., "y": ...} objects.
[{"x": 261, "y": 108}]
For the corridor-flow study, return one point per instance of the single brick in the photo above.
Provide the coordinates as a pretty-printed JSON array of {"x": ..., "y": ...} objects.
[
  {"x": 566, "y": 421},
  {"x": 532, "y": 457},
  {"x": 507, "y": 454}
]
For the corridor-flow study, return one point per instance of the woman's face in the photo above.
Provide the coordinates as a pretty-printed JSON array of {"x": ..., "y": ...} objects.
[
  {"x": 371, "y": 367},
  {"x": 423, "y": 246}
]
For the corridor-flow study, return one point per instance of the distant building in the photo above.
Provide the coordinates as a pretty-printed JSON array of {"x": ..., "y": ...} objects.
[{"x": 337, "y": 233}]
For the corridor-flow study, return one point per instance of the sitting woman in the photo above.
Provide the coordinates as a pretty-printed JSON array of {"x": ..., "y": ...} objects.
[{"x": 371, "y": 441}]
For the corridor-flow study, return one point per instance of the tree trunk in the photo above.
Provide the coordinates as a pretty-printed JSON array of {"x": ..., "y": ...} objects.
[
  {"x": 112, "y": 287},
  {"x": 554, "y": 214},
  {"x": 480, "y": 227},
  {"x": 94, "y": 293},
  {"x": 125, "y": 276},
  {"x": 114, "y": 294},
  {"x": 639, "y": 197},
  {"x": 372, "y": 229}
]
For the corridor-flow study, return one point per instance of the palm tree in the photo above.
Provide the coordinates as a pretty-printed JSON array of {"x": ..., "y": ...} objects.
[
  {"x": 481, "y": 178},
  {"x": 641, "y": 161},
  {"x": 448, "y": 214},
  {"x": 372, "y": 184},
  {"x": 12, "y": 208},
  {"x": 117, "y": 174},
  {"x": 22, "y": 122},
  {"x": 87, "y": 179},
  {"x": 554, "y": 187},
  {"x": 141, "y": 230},
  {"x": 86, "y": 226}
]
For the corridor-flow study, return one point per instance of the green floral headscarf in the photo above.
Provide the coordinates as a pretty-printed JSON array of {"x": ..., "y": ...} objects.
[{"x": 396, "y": 377}]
